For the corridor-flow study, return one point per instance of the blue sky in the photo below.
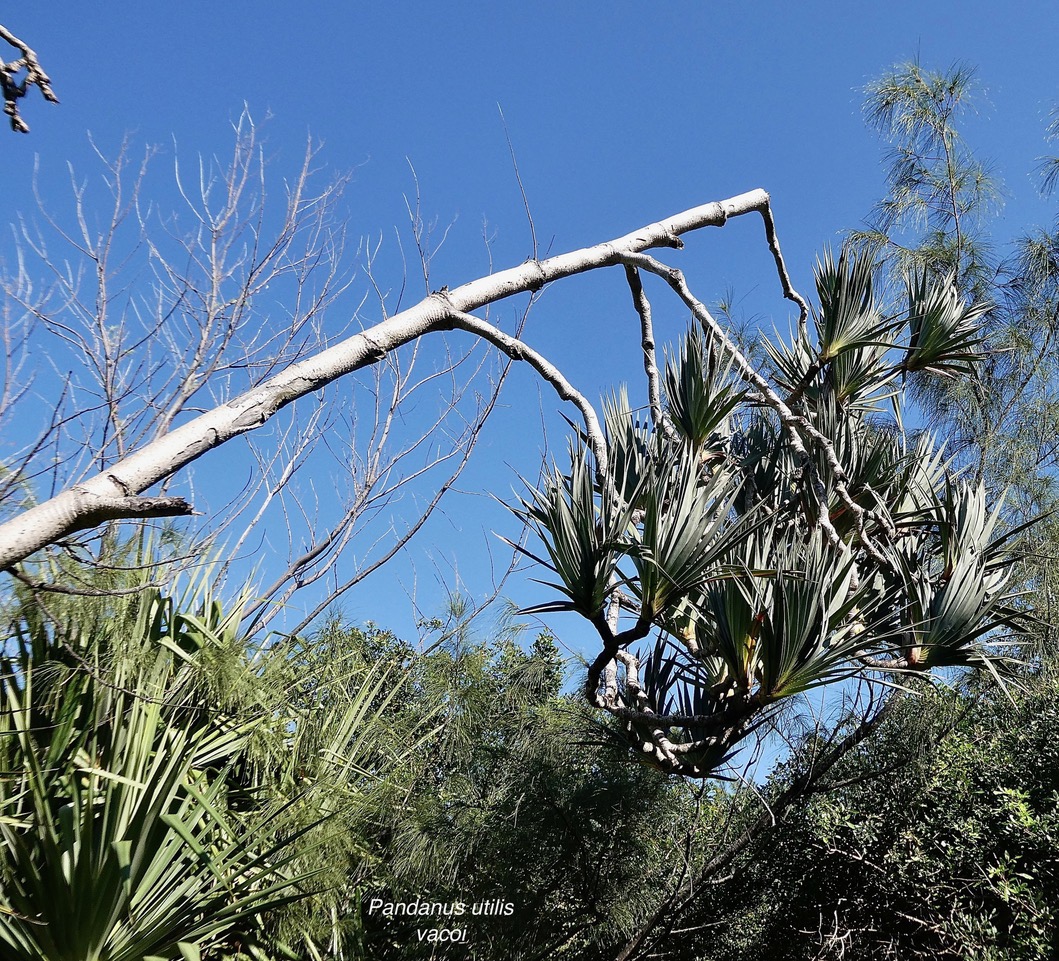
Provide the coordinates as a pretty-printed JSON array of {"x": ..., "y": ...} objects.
[{"x": 619, "y": 113}]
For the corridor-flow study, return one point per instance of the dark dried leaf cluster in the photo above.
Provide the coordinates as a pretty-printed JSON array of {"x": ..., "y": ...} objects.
[{"x": 17, "y": 76}]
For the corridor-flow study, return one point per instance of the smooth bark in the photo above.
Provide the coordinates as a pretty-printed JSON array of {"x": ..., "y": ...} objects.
[{"x": 115, "y": 493}]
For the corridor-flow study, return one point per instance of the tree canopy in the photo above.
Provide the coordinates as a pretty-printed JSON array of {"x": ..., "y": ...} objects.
[{"x": 829, "y": 552}]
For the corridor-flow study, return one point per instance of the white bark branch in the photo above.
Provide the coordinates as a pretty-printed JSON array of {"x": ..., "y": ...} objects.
[
  {"x": 164, "y": 456},
  {"x": 650, "y": 356},
  {"x": 518, "y": 350},
  {"x": 781, "y": 267}
]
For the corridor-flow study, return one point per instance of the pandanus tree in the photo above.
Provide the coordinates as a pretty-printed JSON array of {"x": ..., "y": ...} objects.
[{"x": 778, "y": 528}]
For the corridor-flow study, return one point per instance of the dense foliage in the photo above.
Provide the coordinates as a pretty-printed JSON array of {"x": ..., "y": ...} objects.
[
  {"x": 161, "y": 784},
  {"x": 170, "y": 787},
  {"x": 172, "y": 790},
  {"x": 942, "y": 841}
]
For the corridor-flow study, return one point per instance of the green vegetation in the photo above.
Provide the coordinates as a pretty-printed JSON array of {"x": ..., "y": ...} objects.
[
  {"x": 171, "y": 788},
  {"x": 939, "y": 838},
  {"x": 161, "y": 788}
]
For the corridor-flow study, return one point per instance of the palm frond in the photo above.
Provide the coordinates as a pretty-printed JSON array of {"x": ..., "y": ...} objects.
[{"x": 944, "y": 330}]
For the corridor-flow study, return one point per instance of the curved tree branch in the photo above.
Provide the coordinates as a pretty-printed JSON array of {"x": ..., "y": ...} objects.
[
  {"x": 519, "y": 350},
  {"x": 164, "y": 456}
]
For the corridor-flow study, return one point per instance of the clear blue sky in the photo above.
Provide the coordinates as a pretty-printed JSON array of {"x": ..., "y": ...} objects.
[{"x": 620, "y": 113}]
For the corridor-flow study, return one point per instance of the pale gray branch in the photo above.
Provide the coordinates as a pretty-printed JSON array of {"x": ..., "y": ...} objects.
[
  {"x": 650, "y": 357},
  {"x": 165, "y": 455}
]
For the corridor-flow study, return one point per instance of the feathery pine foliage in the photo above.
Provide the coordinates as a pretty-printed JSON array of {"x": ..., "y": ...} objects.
[
  {"x": 939, "y": 216},
  {"x": 517, "y": 800}
]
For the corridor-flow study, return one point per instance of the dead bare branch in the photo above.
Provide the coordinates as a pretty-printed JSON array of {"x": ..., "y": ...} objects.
[
  {"x": 14, "y": 90},
  {"x": 163, "y": 456}
]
